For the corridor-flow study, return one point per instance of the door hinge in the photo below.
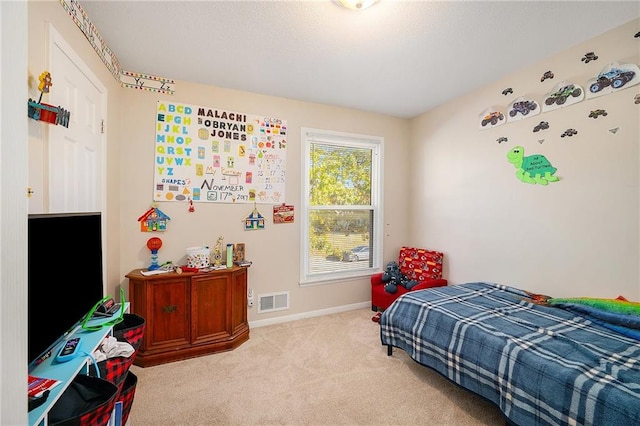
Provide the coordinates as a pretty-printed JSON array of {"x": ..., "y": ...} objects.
[{"x": 102, "y": 127}]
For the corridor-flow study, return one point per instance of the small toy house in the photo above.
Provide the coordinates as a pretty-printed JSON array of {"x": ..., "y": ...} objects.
[
  {"x": 153, "y": 220},
  {"x": 254, "y": 221}
]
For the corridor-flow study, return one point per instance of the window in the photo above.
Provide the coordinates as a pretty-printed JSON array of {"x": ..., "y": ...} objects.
[{"x": 342, "y": 205}]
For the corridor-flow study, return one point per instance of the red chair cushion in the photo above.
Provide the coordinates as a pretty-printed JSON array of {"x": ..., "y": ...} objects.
[
  {"x": 420, "y": 264},
  {"x": 423, "y": 266}
]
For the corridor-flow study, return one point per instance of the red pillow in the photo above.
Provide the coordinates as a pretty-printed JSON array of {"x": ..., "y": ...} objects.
[{"x": 420, "y": 264}]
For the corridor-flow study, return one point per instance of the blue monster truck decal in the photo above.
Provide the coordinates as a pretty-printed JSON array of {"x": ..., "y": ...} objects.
[{"x": 615, "y": 78}]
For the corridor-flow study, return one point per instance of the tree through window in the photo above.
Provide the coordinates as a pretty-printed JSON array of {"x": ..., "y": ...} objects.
[{"x": 342, "y": 212}]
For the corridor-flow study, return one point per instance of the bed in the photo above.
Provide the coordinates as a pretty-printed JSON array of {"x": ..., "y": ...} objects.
[{"x": 540, "y": 364}]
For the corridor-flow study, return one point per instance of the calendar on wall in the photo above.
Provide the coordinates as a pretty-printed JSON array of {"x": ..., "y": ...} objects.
[{"x": 207, "y": 154}]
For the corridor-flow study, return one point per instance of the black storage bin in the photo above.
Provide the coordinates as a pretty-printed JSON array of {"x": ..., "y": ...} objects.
[
  {"x": 130, "y": 330},
  {"x": 88, "y": 401}
]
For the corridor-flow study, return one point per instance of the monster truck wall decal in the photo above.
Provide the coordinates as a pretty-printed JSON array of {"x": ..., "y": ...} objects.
[
  {"x": 532, "y": 168},
  {"x": 611, "y": 78},
  {"x": 522, "y": 108},
  {"x": 491, "y": 117},
  {"x": 563, "y": 94}
]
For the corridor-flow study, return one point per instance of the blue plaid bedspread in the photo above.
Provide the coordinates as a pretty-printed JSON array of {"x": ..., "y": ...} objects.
[{"x": 540, "y": 365}]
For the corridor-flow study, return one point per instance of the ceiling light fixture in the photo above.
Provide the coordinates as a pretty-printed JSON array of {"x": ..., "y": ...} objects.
[{"x": 357, "y": 4}]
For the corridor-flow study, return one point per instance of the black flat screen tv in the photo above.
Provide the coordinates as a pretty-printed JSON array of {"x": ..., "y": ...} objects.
[{"x": 65, "y": 278}]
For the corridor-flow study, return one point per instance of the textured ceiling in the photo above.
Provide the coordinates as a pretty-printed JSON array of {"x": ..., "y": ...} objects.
[{"x": 398, "y": 58}]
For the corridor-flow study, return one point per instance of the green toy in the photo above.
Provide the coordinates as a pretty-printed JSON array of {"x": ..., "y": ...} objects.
[{"x": 533, "y": 168}]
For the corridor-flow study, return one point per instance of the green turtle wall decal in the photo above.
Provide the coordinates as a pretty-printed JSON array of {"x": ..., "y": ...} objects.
[{"x": 533, "y": 168}]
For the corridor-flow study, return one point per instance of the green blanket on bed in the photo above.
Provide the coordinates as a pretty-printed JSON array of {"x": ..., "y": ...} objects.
[
  {"x": 616, "y": 314},
  {"x": 609, "y": 305}
]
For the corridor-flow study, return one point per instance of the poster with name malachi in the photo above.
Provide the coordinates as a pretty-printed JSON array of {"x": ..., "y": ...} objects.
[{"x": 212, "y": 155}]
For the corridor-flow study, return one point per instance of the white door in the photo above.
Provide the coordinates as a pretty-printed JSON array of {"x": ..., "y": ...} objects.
[{"x": 76, "y": 154}]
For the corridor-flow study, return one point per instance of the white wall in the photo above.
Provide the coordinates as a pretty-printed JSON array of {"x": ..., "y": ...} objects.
[
  {"x": 13, "y": 211},
  {"x": 274, "y": 251},
  {"x": 575, "y": 237}
]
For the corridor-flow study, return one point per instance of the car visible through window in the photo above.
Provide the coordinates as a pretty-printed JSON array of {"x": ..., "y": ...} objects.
[{"x": 359, "y": 253}]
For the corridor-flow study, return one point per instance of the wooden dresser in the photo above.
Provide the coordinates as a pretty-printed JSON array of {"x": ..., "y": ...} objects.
[{"x": 189, "y": 314}]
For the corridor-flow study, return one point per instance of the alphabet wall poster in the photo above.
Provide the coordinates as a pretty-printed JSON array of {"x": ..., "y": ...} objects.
[{"x": 213, "y": 155}]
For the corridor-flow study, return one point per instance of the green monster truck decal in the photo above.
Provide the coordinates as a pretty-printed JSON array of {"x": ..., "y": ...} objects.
[{"x": 533, "y": 168}]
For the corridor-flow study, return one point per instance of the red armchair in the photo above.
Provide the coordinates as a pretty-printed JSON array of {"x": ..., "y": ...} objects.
[{"x": 423, "y": 266}]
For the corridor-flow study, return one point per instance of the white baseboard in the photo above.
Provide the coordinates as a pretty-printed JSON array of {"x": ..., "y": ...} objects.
[{"x": 321, "y": 312}]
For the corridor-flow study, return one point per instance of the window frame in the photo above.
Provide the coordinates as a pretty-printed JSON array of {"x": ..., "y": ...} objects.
[{"x": 309, "y": 136}]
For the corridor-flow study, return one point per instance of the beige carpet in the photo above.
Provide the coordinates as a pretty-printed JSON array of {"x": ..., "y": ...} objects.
[{"x": 329, "y": 370}]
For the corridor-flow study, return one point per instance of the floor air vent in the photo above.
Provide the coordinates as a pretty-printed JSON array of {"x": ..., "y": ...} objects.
[{"x": 273, "y": 302}]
